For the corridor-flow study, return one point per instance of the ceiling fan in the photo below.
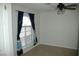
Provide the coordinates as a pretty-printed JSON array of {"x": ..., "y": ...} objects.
[{"x": 62, "y": 6}]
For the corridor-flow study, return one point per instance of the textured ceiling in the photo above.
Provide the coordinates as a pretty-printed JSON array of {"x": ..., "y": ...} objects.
[{"x": 41, "y": 6}]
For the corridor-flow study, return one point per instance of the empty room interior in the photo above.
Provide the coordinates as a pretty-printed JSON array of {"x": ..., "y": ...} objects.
[{"x": 39, "y": 29}]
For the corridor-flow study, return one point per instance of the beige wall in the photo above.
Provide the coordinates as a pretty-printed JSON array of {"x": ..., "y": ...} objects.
[{"x": 59, "y": 30}]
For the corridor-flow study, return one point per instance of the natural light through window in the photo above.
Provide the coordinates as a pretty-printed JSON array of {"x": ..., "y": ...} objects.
[
  {"x": 26, "y": 21},
  {"x": 26, "y": 31}
]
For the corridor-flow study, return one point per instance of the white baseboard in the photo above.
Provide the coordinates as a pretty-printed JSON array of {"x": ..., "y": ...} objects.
[{"x": 57, "y": 46}]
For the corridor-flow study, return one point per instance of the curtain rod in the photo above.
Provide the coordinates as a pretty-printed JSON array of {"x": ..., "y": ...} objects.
[
  {"x": 25, "y": 12},
  {"x": 22, "y": 11}
]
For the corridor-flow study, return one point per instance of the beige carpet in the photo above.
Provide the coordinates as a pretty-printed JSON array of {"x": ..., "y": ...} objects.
[{"x": 45, "y": 50}]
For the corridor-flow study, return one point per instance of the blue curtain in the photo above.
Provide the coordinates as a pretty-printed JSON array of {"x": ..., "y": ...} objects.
[
  {"x": 19, "y": 46},
  {"x": 33, "y": 26}
]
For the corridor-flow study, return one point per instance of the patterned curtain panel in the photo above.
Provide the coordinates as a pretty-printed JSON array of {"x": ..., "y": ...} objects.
[
  {"x": 33, "y": 26},
  {"x": 19, "y": 46}
]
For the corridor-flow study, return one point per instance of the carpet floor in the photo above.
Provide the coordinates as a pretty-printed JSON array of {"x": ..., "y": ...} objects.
[{"x": 45, "y": 50}]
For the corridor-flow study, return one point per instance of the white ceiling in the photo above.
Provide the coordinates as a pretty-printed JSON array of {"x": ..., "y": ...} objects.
[{"x": 40, "y": 6}]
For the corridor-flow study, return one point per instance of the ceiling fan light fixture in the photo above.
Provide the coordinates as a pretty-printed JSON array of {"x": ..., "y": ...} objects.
[
  {"x": 60, "y": 12},
  {"x": 60, "y": 7}
]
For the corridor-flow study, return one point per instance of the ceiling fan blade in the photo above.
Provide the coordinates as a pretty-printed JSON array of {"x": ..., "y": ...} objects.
[
  {"x": 72, "y": 5},
  {"x": 70, "y": 8}
]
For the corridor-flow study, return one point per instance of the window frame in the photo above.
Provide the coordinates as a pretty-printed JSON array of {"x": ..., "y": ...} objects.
[{"x": 31, "y": 38}]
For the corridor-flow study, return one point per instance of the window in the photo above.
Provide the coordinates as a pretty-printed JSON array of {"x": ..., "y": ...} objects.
[{"x": 26, "y": 32}]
